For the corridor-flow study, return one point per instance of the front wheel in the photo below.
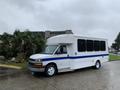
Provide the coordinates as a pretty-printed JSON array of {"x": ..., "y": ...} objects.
[
  {"x": 50, "y": 70},
  {"x": 97, "y": 65}
]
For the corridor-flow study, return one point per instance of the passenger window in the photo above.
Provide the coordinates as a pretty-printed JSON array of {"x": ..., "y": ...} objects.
[
  {"x": 102, "y": 46},
  {"x": 97, "y": 45},
  {"x": 81, "y": 43},
  {"x": 89, "y": 45},
  {"x": 62, "y": 50}
]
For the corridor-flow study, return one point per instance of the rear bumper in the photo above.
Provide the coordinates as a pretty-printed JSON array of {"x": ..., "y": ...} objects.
[{"x": 36, "y": 69}]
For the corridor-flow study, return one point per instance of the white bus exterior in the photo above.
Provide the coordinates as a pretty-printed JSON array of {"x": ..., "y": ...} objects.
[{"x": 69, "y": 52}]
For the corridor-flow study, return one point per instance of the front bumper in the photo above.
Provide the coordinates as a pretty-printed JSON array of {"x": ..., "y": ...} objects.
[{"x": 36, "y": 69}]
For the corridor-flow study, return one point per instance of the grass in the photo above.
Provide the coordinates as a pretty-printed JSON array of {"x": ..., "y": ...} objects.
[{"x": 113, "y": 57}]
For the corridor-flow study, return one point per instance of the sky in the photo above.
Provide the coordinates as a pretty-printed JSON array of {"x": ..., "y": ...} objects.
[{"x": 91, "y": 18}]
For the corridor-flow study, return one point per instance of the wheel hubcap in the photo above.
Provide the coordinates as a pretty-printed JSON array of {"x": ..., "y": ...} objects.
[
  {"x": 97, "y": 65},
  {"x": 51, "y": 70}
]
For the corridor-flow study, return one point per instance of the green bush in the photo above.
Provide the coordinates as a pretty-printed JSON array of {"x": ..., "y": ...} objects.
[{"x": 21, "y": 44}]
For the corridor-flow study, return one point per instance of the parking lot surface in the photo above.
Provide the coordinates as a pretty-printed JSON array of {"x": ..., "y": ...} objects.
[{"x": 106, "y": 78}]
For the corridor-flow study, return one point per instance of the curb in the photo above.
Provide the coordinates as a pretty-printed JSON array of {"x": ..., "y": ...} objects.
[{"x": 10, "y": 66}]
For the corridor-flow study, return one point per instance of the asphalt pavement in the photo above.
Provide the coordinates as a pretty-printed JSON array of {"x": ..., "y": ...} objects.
[{"x": 106, "y": 78}]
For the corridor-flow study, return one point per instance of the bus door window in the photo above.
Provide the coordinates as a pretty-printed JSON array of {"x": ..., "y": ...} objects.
[{"x": 62, "y": 50}]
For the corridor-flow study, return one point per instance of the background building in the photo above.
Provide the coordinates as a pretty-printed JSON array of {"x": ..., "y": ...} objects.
[
  {"x": 54, "y": 33},
  {"x": 48, "y": 34}
]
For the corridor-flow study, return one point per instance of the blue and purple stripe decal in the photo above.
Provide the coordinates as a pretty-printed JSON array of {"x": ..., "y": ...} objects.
[{"x": 73, "y": 57}]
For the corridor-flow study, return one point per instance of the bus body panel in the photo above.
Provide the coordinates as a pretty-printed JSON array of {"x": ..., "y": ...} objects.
[{"x": 74, "y": 59}]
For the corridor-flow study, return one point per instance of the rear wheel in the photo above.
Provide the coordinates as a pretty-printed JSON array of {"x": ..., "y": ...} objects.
[
  {"x": 50, "y": 70},
  {"x": 97, "y": 65}
]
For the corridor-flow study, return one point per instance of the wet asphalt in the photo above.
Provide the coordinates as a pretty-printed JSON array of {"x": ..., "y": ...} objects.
[{"x": 106, "y": 78}]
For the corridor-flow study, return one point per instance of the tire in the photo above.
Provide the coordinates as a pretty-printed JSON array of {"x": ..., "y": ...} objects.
[
  {"x": 97, "y": 65},
  {"x": 50, "y": 70}
]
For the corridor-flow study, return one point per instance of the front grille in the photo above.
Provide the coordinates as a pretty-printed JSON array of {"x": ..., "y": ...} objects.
[{"x": 34, "y": 65}]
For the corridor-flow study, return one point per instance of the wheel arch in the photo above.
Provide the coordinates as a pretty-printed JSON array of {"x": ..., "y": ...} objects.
[
  {"x": 53, "y": 63},
  {"x": 97, "y": 61}
]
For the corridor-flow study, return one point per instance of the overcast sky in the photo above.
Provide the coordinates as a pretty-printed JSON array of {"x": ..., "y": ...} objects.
[{"x": 94, "y": 18}]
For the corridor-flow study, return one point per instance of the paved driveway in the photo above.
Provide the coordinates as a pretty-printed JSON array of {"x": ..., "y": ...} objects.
[{"x": 107, "y": 78}]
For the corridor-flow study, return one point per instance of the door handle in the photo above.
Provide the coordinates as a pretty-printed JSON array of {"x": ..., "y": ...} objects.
[{"x": 67, "y": 55}]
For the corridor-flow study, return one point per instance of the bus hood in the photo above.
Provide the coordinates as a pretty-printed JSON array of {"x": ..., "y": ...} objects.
[{"x": 40, "y": 56}]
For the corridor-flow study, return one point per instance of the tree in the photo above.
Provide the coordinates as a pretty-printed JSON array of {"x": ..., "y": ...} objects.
[
  {"x": 21, "y": 43},
  {"x": 116, "y": 45},
  {"x": 6, "y": 46}
]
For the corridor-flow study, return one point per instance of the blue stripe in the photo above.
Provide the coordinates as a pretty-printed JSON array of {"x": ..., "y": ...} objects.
[{"x": 73, "y": 57}]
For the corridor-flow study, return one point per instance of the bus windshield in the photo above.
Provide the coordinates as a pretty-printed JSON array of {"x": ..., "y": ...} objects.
[{"x": 50, "y": 49}]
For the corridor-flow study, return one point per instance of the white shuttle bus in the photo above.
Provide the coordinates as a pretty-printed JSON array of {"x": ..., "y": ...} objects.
[{"x": 69, "y": 52}]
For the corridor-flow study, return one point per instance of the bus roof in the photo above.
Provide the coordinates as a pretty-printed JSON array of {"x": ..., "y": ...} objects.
[{"x": 69, "y": 39}]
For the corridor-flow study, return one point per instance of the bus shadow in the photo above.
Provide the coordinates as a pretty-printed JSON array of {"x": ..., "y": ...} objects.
[
  {"x": 88, "y": 69},
  {"x": 77, "y": 71}
]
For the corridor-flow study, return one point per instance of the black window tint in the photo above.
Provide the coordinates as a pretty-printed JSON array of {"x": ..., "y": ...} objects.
[
  {"x": 81, "y": 45},
  {"x": 96, "y": 45},
  {"x": 102, "y": 46},
  {"x": 89, "y": 45}
]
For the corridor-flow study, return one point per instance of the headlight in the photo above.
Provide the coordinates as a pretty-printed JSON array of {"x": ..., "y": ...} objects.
[{"x": 38, "y": 60}]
